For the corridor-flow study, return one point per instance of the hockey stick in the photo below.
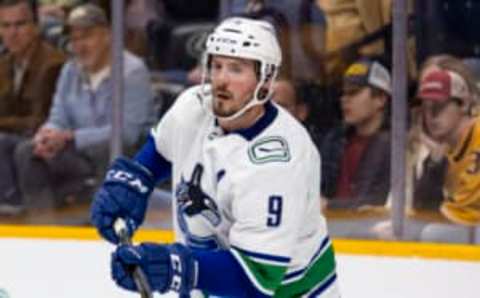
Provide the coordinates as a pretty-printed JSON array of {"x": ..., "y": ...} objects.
[{"x": 139, "y": 277}]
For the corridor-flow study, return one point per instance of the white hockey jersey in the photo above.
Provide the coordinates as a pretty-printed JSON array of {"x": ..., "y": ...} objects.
[{"x": 256, "y": 193}]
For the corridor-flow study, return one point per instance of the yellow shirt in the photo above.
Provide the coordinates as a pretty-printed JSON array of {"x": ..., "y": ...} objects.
[
  {"x": 462, "y": 183},
  {"x": 349, "y": 21}
]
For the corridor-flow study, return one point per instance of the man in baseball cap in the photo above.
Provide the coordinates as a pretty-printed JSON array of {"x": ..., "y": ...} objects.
[
  {"x": 72, "y": 145},
  {"x": 90, "y": 36},
  {"x": 86, "y": 16},
  {"x": 367, "y": 72},
  {"x": 446, "y": 105},
  {"x": 356, "y": 154}
]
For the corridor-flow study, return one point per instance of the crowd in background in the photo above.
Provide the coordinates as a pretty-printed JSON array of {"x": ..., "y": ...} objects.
[{"x": 56, "y": 100}]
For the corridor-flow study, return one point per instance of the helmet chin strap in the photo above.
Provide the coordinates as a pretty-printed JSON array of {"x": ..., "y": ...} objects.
[{"x": 255, "y": 101}]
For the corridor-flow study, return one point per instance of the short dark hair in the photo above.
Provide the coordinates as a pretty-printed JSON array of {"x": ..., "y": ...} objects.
[
  {"x": 32, "y": 4},
  {"x": 378, "y": 92}
]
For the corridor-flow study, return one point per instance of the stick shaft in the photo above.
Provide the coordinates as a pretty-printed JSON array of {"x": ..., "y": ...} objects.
[{"x": 139, "y": 277}]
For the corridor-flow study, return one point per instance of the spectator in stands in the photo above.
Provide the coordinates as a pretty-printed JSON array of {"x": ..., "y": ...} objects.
[
  {"x": 356, "y": 156},
  {"x": 28, "y": 72},
  {"x": 55, "y": 10},
  {"x": 423, "y": 150},
  {"x": 288, "y": 95},
  {"x": 72, "y": 145},
  {"x": 351, "y": 21},
  {"x": 285, "y": 95},
  {"x": 140, "y": 12},
  {"x": 449, "y": 62},
  {"x": 301, "y": 28},
  {"x": 447, "y": 104},
  {"x": 426, "y": 162},
  {"x": 135, "y": 33}
]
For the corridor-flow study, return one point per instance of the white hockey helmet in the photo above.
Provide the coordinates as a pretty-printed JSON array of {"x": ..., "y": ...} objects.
[{"x": 248, "y": 39}]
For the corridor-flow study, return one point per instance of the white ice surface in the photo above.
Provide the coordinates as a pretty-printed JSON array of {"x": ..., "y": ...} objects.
[{"x": 80, "y": 269}]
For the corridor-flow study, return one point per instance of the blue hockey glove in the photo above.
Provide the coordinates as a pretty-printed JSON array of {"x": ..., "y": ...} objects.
[
  {"x": 166, "y": 267},
  {"x": 124, "y": 193}
]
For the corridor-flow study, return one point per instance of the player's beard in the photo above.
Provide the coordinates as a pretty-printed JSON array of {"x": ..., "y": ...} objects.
[
  {"x": 220, "y": 109},
  {"x": 226, "y": 107}
]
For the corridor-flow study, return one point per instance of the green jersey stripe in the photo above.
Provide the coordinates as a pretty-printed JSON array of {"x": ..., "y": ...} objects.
[
  {"x": 316, "y": 275},
  {"x": 298, "y": 274},
  {"x": 265, "y": 277}
]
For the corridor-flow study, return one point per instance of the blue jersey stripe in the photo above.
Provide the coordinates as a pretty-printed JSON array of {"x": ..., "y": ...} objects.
[
  {"x": 323, "y": 286},
  {"x": 266, "y": 257},
  {"x": 268, "y": 117},
  {"x": 149, "y": 157},
  {"x": 294, "y": 274},
  {"x": 221, "y": 275}
]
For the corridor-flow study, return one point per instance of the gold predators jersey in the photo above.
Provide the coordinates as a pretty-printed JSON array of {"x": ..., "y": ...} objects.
[{"x": 462, "y": 184}]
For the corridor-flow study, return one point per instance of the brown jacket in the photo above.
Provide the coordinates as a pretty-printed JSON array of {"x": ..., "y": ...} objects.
[{"x": 24, "y": 112}]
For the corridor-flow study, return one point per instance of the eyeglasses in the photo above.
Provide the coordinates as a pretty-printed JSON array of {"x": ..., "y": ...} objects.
[{"x": 16, "y": 24}]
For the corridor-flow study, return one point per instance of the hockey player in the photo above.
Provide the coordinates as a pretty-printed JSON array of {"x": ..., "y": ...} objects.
[{"x": 246, "y": 184}]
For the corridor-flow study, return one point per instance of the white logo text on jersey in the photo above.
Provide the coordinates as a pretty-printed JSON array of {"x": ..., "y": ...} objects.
[{"x": 123, "y": 176}]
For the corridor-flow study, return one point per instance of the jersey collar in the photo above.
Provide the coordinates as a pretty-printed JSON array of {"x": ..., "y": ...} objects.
[{"x": 267, "y": 118}]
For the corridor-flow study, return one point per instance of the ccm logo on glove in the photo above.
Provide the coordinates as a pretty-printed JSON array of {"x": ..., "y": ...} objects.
[
  {"x": 177, "y": 272},
  {"x": 128, "y": 178}
]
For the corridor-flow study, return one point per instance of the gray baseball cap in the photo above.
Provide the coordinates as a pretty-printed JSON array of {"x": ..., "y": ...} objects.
[
  {"x": 87, "y": 15},
  {"x": 367, "y": 72}
]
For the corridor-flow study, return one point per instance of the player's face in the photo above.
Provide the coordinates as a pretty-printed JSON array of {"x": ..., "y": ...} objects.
[
  {"x": 358, "y": 106},
  {"x": 17, "y": 28},
  {"x": 233, "y": 84},
  {"x": 441, "y": 119}
]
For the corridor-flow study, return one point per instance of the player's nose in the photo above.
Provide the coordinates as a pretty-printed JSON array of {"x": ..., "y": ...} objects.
[{"x": 222, "y": 78}]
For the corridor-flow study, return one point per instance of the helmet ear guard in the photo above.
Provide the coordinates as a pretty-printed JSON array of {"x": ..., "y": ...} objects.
[
  {"x": 269, "y": 71},
  {"x": 268, "y": 76}
]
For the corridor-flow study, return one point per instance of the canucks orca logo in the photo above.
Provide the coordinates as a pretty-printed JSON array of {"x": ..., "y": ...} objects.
[
  {"x": 193, "y": 200},
  {"x": 194, "y": 204}
]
